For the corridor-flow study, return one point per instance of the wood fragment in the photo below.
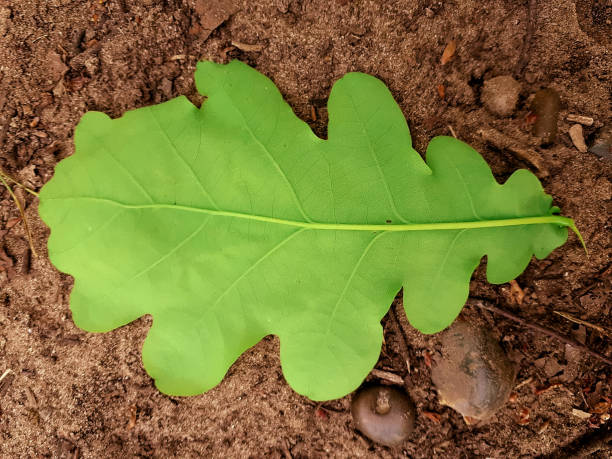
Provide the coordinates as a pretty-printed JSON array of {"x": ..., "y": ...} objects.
[
  {"x": 517, "y": 292},
  {"x": 132, "y": 421},
  {"x": 32, "y": 401},
  {"x": 12, "y": 222},
  {"x": 584, "y": 120},
  {"x": 580, "y": 414},
  {"x": 546, "y": 331},
  {"x": 391, "y": 377},
  {"x": 435, "y": 417},
  {"x": 441, "y": 91},
  {"x": 576, "y": 320},
  {"x": 470, "y": 421},
  {"x": 576, "y": 134},
  {"x": 543, "y": 427},
  {"x": 523, "y": 417},
  {"x": 452, "y": 131},
  {"x": 182, "y": 57},
  {"x": 541, "y": 390},
  {"x": 503, "y": 142},
  {"x": 449, "y": 52},
  {"x": 6, "y": 380},
  {"x": 427, "y": 358},
  {"x": 246, "y": 47},
  {"x": 313, "y": 113},
  {"x": 601, "y": 408},
  {"x": 285, "y": 448}
]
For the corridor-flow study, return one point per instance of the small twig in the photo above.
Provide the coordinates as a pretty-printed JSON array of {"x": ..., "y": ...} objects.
[
  {"x": 5, "y": 374},
  {"x": 20, "y": 185},
  {"x": 576, "y": 320},
  {"x": 523, "y": 383},
  {"x": 400, "y": 329},
  {"x": 532, "y": 15},
  {"x": 546, "y": 331},
  {"x": 505, "y": 143},
  {"x": 286, "y": 450},
  {"x": 452, "y": 131},
  {"x": 386, "y": 375},
  {"x": 39, "y": 38},
  {"x": 21, "y": 212},
  {"x": 5, "y": 381}
]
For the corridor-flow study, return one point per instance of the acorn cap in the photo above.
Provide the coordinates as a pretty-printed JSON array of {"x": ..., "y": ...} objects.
[{"x": 384, "y": 414}]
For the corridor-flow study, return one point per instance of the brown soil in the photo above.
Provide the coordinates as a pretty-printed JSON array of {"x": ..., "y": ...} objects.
[{"x": 77, "y": 394}]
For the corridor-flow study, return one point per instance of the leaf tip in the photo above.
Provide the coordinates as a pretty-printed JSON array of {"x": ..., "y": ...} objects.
[{"x": 574, "y": 228}]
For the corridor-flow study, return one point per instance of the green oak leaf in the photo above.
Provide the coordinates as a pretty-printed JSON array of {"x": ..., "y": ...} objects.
[{"x": 233, "y": 221}]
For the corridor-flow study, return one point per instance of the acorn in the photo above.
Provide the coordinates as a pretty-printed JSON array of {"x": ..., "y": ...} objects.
[
  {"x": 473, "y": 375},
  {"x": 383, "y": 414}
]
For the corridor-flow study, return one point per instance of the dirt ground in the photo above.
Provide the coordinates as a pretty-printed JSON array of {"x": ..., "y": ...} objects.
[{"x": 76, "y": 394}]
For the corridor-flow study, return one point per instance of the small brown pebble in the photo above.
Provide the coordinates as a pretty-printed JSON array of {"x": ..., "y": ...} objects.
[
  {"x": 577, "y": 136},
  {"x": 546, "y": 105},
  {"x": 500, "y": 95}
]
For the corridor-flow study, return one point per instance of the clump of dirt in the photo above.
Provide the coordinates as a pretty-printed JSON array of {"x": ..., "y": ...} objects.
[{"x": 76, "y": 394}]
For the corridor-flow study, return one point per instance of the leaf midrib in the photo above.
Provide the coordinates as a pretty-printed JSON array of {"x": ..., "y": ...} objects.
[{"x": 519, "y": 221}]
